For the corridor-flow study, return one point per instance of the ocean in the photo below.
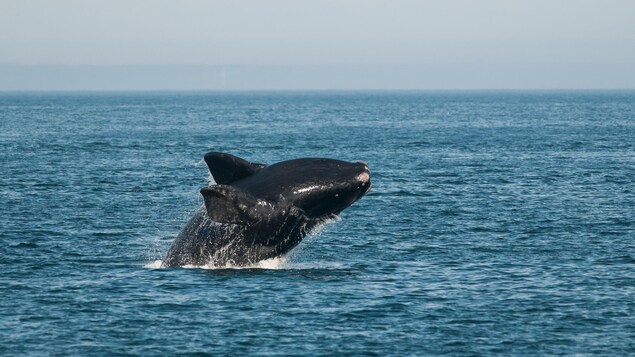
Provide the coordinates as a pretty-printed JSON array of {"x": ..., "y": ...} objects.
[{"x": 499, "y": 223}]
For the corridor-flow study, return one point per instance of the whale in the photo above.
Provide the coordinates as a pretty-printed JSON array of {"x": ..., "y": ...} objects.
[{"x": 254, "y": 212}]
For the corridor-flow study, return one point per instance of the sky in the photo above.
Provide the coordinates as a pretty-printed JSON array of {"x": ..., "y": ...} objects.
[{"x": 344, "y": 44}]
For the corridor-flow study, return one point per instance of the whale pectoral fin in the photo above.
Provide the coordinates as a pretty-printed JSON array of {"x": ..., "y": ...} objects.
[
  {"x": 226, "y": 168},
  {"x": 226, "y": 204}
]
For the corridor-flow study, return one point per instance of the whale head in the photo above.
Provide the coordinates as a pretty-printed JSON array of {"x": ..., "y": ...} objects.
[
  {"x": 319, "y": 187},
  {"x": 247, "y": 192}
]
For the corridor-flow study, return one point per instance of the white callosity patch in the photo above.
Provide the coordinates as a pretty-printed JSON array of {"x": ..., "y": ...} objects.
[{"x": 363, "y": 177}]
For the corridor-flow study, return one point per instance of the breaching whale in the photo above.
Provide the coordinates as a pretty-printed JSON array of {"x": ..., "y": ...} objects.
[{"x": 256, "y": 212}]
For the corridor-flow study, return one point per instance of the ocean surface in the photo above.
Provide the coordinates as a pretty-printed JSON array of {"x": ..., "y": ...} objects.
[{"x": 499, "y": 223}]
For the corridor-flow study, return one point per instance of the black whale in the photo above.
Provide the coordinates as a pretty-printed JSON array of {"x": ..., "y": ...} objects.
[{"x": 256, "y": 212}]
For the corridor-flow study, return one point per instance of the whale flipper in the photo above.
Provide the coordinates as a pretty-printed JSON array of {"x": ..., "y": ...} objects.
[
  {"x": 226, "y": 168},
  {"x": 226, "y": 204}
]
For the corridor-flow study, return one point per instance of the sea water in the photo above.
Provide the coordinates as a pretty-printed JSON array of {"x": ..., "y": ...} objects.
[{"x": 499, "y": 223}]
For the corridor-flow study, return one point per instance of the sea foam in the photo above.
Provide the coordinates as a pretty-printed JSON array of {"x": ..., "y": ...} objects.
[{"x": 270, "y": 264}]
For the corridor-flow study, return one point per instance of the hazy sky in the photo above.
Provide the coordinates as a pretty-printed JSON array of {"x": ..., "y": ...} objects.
[
  {"x": 315, "y": 32},
  {"x": 295, "y": 32}
]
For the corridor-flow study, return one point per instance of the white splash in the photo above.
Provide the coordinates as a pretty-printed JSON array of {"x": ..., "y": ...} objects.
[
  {"x": 154, "y": 265},
  {"x": 288, "y": 261},
  {"x": 210, "y": 179},
  {"x": 317, "y": 230},
  {"x": 269, "y": 264}
]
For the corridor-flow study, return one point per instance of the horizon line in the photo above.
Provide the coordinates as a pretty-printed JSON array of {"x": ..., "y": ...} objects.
[{"x": 313, "y": 90}]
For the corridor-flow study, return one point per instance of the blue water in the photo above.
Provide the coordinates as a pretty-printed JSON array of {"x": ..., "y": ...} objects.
[{"x": 500, "y": 223}]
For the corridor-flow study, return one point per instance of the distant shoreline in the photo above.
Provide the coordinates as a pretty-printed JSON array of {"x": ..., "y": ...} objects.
[
  {"x": 343, "y": 92},
  {"x": 336, "y": 77}
]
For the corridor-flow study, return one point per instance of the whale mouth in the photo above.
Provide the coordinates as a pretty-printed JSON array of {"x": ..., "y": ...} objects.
[{"x": 366, "y": 188}]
